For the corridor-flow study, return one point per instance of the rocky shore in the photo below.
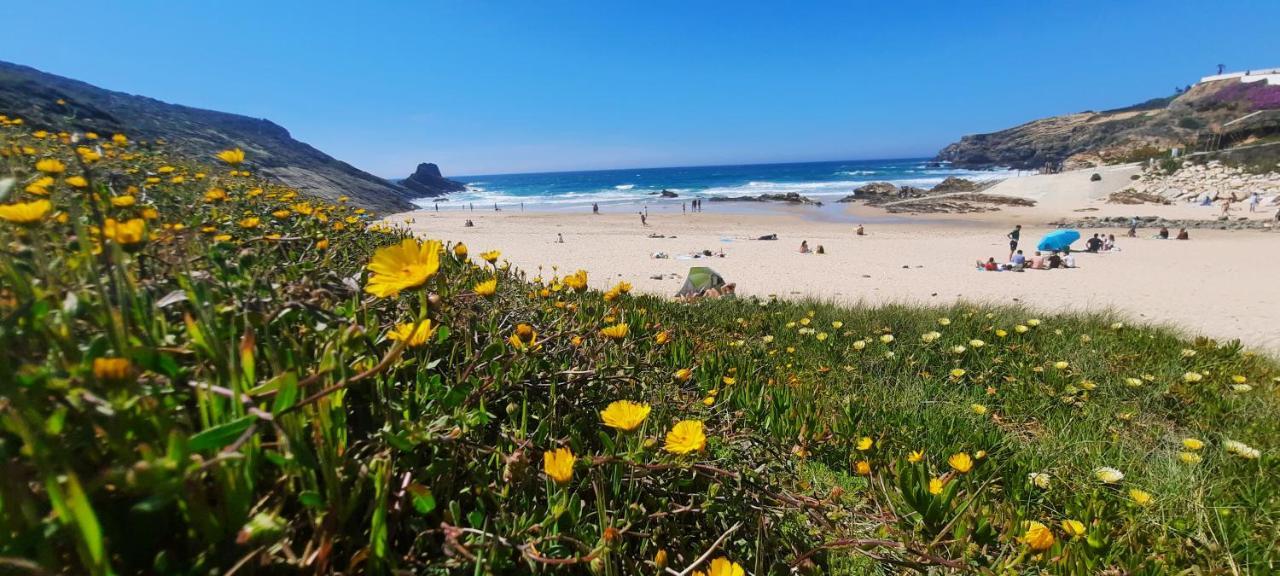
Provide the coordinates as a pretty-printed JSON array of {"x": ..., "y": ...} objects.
[
  {"x": 1195, "y": 181},
  {"x": 951, "y": 196},
  {"x": 1171, "y": 223}
]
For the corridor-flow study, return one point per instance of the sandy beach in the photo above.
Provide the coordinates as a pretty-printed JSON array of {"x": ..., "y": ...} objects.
[{"x": 1217, "y": 284}]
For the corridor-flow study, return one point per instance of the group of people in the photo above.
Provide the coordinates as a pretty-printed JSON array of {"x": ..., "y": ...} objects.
[
  {"x": 804, "y": 248},
  {"x": 1041, "y": 260}
]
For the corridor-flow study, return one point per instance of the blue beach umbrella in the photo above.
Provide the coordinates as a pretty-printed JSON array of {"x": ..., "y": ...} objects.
[{"x": 1058, "y": 240}]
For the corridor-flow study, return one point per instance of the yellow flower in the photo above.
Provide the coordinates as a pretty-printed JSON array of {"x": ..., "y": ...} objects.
[
  {"x": 930, "y": 336},
  {"x": 77, "y": 182},
  {"x": 865, "y": 443},
  {"x": 709, "y": 401},
  {"x": 1061, "y": 365},
  {"x": 978, "y": 409},
  {"x": 408, "y": 264},
  {"x": 1189, "y": 457},
  {"x": 863, "y": 467},
  {"x": 558, "y": 464},
  {"x": 683, "y": 374},
  {"x": 936, "y": 485},
  {"x": 233, "y": 156},
  {"x": 1040, "y": 480},
  {"x": 123, "y": 201},
  {"x": 119, "y": 139},
  {"x": 859, "y": 344},
  {"x": 460, "y": 250},
  {"x": 1038, "y": 537},
  {"x": 728, "y": 380},
  {"x": 944, "y": 321},
  {"x": 957, "y": 372},
  {"x": 960, "y": 462},
  {"x": 1192, "y": 377},
  {"x": 1073, "y": 528},
  {"x": 25, "y": 212},
  {"x": 976, "y": 343},
  {"x": 111, "y": 369},
  {"x": 1021, "y": 329},
  {"x": 660, "y": 559},
  {"x": 322, "y": 244},
  {"x": 1238, "y": 379},
  {"x": 282, "y": 214},
  {"x": 486, "y": 288},
  {"x": 615, "y": 332},
  {"x": 125, "y": 233},
  {"x": 837, "y": 325},
  {"x": 721, "y": 567},
  {"x": 1001, "y": 333},
  {"x": 413, "y": 334},
  {"x": 40, "y": 187},
  {"x": 1140, "y": 497},
  {"x": 915, "y": 456},
  {"x": 1033, "y": 322},
  {"x": 490, "y": 256},
  {"x": 524, "y": 339},
  {"x": 51, "y": 166},
  {"x": 577, "y": 281},
  {"x": 685, "y": 437},
  {"x": 1192, "y": 443},
  {"x": 215, "y": 195},
  {"x": 250, "y": 222},
  {"x": 887, "y": 338},
  {"x": 624, "y": 415},
  {"x": 662, "y": 338}
]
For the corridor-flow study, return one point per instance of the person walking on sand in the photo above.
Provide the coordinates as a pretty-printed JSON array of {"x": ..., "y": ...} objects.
[
  {"x": 1226, "y": 208},
  {"x": 1014, "y": 236},
  {"x": 595, "y": 208},
  {"x": 1254, "y": 200}
]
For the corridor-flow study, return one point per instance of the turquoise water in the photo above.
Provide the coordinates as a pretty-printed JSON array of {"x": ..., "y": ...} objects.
[{"x": 826, "y": 181}]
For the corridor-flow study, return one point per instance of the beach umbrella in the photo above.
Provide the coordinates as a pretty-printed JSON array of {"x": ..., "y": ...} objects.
[
  {"x": 1058, "y": 240},
  {"x": 700, "y": 278}
]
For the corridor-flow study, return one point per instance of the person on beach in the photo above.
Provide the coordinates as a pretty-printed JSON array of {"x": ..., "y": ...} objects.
[
  {"x": 860, "y": 231},
  {"x": 1093, "y": 244},
  {"x": 1068, "y": 261},
  {"x": 1109, "y": 244},
  {"x": 821, "y": 250},
  {"x": 1226, "y": 207},
  {"x": 595, "y": 208},
  {"x": 559, "y": 238},
  {"x": 804, "y": 247},
  {"x": 1254, "y": 200},
  {"x": 1163, "y": 234},
  {"x": 1019, "y": 261},
  {"x": 1055, "y": 261},
  {"x": 1182, "y": 234},
  {"x": 1037, "y": 261},
  {"x": 684, "y": 207},
  {"x": 990, "y": 265},
  {"x": 1013, "y": 239},
  {"x": 644, "y": 220}
]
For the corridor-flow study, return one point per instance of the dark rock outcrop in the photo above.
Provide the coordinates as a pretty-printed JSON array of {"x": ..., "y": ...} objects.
[
  {"x": 955, "y": 184},
  {"x": 34, "y": 96},
  {"x": 789, "y": 198},
  {"x": 427, "y": 182},
  {"x": 668, "y": 194}
]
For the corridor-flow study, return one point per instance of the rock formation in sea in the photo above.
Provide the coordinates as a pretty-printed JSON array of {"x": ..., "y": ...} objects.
[{"x": 426, "y": 182}]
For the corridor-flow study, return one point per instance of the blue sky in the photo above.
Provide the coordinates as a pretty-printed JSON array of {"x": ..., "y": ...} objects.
[{"x": 482, "y": 86}]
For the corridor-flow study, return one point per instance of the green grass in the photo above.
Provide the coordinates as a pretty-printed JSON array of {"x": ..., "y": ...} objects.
[{"x": 266, "y": 423}]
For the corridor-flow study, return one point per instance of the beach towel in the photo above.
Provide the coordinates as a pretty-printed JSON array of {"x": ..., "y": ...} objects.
[
  {"x": 700, "y": 278},
  {"x": 1057, "y": 240}
]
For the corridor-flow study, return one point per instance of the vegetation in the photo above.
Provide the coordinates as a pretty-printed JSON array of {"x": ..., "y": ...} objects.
[{"x": 207, "y": 373}]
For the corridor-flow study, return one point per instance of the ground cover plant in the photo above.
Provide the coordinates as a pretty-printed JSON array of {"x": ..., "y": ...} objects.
[{"x": 203, "y": 372}]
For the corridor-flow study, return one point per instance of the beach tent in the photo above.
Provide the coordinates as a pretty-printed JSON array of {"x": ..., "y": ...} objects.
[
  {"x": 700, "y": 278},
  {"x": 1058, "y": 240}
]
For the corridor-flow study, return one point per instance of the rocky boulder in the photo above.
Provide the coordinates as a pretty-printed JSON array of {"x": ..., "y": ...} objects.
[
  {"x": 955, "y": 184},
  {"x": 789, "y": 198},
  {"x": 427, "y": 182}
]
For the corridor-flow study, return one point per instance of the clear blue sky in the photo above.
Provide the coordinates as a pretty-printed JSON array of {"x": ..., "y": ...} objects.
[{"x": 481, "y": 86}]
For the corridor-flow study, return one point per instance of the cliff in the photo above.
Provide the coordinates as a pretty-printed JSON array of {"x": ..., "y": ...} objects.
[
  {"x": 34, "y": 96},
  {"x": 1208, "y": 109}
]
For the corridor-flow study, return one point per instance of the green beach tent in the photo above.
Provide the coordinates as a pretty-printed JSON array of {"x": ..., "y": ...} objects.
[{"x": 700, "y": 278}]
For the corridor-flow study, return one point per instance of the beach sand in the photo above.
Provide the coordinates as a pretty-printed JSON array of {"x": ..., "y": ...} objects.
[{"x": 1220, "y": 284}]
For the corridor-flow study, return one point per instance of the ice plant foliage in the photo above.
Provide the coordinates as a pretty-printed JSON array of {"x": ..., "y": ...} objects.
[{"x": 208, "y": 372}]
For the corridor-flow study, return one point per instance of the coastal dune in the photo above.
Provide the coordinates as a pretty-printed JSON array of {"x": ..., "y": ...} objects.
[{"x": 1215, "y": 285}]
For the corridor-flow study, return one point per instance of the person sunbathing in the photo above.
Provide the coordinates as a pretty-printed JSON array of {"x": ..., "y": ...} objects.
[
  {"x": 804, "y": 247},
  {"x": 1182, "y": 234},
  {"x": 1037, "y": 262}
]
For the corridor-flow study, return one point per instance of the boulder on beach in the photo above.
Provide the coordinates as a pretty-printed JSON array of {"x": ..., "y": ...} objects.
[
  {"x": 955, "y": 184},
  {"x": 789, "y": 198}
]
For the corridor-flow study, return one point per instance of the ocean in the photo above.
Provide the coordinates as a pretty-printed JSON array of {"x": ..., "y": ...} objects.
[{"x": 825, "y": 181}]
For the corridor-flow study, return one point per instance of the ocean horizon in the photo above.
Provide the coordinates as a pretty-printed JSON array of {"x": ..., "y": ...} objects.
[{"x": 825, "y": 181}]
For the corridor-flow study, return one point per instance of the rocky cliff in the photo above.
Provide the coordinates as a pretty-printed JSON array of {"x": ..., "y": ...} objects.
[
  {"x": 1093, "y": 138},
  {"x": 426, "y": 182},
  {"x": 46, "y": 101}
]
